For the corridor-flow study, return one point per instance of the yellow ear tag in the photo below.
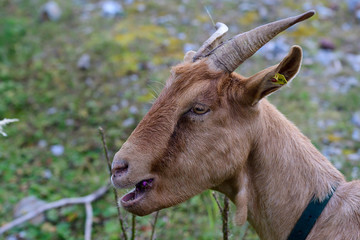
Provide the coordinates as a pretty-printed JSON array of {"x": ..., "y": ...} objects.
[{"x": 279, "y": 79}]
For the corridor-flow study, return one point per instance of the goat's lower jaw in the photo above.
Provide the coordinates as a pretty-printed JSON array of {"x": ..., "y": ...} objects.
[{"x": 141, "y": 188}]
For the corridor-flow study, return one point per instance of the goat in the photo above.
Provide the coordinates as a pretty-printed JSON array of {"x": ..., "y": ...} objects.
[{"x": 211, "y": 128}]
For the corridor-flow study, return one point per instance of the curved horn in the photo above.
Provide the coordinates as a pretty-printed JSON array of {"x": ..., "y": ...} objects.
[
  {"x": 212, "y": 42},
  {"x": 229, "y": 55}
]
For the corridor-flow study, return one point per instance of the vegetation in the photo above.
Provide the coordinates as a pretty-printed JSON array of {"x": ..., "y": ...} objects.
[{"x": 55, "y": 151}]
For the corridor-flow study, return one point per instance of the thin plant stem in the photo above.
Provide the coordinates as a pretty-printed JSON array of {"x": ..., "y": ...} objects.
[
  {"x": 121, "y": 221},
  {"x": 102, "y": 134},
  {"x": 246, "y": 232},
  {"x": 154, "y": 225},
  {"x": 225, "y": 217},
  {"x": 217, "y": 202},
  {"x": 133, "y": 227}
]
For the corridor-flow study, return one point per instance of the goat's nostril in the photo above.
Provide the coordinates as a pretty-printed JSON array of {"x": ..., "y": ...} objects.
[
  {"x": 119, "y": 168},
  {"x": 118, "y": 171}
]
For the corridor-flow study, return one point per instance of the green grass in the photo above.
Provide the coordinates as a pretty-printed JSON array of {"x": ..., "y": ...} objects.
[{"x": 130, "y": 59}]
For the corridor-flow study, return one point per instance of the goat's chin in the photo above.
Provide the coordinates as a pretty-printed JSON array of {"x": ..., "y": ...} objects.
[
  {"x": 141, "y": 207},
  {"x": 138, "y": 210},
  {"x": 138, "y": 202},
  {"x": 141, "y": 203},
  {"x": 152, "y": 201}
]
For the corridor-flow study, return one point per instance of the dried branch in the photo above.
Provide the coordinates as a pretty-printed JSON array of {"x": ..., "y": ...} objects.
[
  {"x": 224, "y": 215},
  {"x": 154, "y": 225},
  {"x": 88, "y": 222},
  {"x": 60, "y": 203},
  {"x": 121, "y": 221},
  {"x": 4, "y": 122}
]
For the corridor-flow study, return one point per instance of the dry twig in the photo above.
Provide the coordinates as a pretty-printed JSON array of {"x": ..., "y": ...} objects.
[
  {"x": 60, "y": 203},
  {"x": 224, "y": 215},
  {"x": 217, "y": 202},
  {"x": 121, "y": 221}
]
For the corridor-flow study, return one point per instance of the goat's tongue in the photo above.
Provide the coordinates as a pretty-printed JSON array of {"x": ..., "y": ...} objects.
[{"x": 129, "y": 196}]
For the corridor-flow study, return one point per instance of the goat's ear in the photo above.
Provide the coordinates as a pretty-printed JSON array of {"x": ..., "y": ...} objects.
[
  {"x": 271, "y": 79},
  {"x": 189, "y": 56}
]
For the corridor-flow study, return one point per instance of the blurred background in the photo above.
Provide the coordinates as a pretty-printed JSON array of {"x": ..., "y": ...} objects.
[{"x": 68, "y": 67}]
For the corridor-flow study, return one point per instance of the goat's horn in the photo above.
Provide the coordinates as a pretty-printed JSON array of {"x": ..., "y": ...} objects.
[
  {"x": 229, "y": 55},
  {"x": 212, "y": 42}
]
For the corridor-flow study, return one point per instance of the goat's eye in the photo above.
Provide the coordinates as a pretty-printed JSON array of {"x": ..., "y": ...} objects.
[{"x": 200, "y": 109}]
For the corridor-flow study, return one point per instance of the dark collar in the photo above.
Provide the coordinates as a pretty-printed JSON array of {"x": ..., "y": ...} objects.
[{"x": 308, "y": 218}]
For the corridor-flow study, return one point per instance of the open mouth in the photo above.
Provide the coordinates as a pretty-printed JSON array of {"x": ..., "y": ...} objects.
[{"x": 141, "y": 188}]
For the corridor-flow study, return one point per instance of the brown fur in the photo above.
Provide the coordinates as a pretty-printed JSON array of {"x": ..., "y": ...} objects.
[{"x": 243, "y": 147}]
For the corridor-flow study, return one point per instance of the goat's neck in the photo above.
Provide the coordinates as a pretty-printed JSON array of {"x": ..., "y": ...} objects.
[{"x": 284, "y": 171}]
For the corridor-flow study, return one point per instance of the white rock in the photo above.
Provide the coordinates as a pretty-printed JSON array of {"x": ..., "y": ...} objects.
[
  {"x": 356, "y": 135},
  {"x": 331, "y": 151},
  {"x": 324, "y": 124},
  {"x": 111, "y": 9},
  {"x": 325, "y": 57},
  {"x": 47, "y": 174},
  {"x": 70, "y": 122},
  {"x": 355, "y": 157},
  {"x": 134, "y": 77},
  {"x": 42, "y": 143},
  {"x": 275, "y": 50},
  {"x": 181, "y": 36},
  {"x": 128, "y": 2},
  {"x": 50, "y": 11},
  {"x": 354, "y": 61},
  {"x": 338, "y": 164},
  {"x": 57, "y": 150},
  {"x": 353, "y": 4},
  {"x": 114, "y": 108},
  {"x": 324, "y": 12},
  {"x": 89, "y": 81},
  {"x": 141, "y": 7},
  {"x": 51, "y": 111},
  {"x": 343, "y": 84},
  {"x": 355, "y": 119},
  {"x": 84, "y": 62},
  {"x": 124, "y": 103},
  {"x": 133, "y": 110},
  {"x": 355, "y": 173},
  {"x": 128, "y": 122}
]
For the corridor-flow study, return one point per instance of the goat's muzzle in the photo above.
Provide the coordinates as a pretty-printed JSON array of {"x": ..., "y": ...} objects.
[{"x": 118, "y": 169}]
